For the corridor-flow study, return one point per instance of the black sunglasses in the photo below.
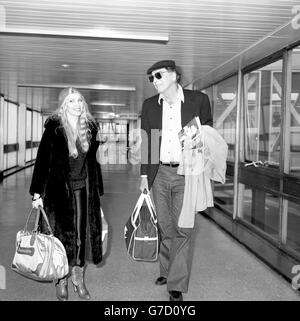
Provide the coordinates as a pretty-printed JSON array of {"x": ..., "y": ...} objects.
[{"x": 157, "y": 75}]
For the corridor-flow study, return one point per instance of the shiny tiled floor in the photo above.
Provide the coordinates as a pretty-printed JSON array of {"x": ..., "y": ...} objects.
[{"x": 222, "y": 268}]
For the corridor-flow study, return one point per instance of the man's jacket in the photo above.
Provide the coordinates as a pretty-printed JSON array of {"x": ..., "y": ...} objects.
[{"x": 195, "y": 104}]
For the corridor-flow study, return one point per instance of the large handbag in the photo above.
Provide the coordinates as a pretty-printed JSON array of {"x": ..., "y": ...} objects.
[
  {"x": 39, "y": 256},
  {"x": 141, "y": 232}
]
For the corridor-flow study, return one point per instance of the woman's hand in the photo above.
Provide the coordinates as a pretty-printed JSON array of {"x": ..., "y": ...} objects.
[{"x": 37, "y": 201}]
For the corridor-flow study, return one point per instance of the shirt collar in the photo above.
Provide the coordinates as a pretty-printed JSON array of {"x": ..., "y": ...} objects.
[{"x": 180, "y": 95}]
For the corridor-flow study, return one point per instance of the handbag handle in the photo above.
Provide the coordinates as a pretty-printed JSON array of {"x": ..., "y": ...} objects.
[
  {"x": 137, "y": 208},
  {"x": 151, "y": 207},
  {"x": 40, "y": 209},
  {"x": 135, "y": 213}
]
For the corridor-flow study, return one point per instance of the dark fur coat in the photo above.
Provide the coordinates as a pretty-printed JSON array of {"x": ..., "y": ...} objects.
[{"x": 51, "y": 180}]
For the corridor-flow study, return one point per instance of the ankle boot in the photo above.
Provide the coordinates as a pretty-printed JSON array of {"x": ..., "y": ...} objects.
[
  {"x": 62, "y": 289},
  {"x": 78, "y": 283}
]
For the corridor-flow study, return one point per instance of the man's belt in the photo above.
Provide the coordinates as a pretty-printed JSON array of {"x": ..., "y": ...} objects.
[{"x": 171, "y": 164}]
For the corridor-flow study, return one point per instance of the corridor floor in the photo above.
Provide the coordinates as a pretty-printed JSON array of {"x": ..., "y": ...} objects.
[{"x": 222, "y": 268}]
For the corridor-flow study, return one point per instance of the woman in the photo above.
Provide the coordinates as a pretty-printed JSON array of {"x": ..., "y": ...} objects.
[{"x": 67, "y": 182}]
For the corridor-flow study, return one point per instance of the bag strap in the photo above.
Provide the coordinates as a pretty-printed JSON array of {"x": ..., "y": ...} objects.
[
  {"x": 46, "y": 219},
  {"x": 137, "y": 208},
  {"x": 151, "y": 207},
  {"x": 40, "y": 209},
  {"x": 29, "y": 215}
]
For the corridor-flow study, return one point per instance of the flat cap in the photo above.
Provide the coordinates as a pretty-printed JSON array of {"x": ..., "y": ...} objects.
[{"x": 162, "y": 64}]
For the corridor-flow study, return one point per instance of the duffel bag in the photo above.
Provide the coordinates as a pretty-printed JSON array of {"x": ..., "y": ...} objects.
[{"x": 141, "y": 231}]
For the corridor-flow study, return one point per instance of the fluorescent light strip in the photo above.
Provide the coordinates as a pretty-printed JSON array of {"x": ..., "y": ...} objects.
[
  {"x": 104, "y": 112},
  {"x": 78, "y": 86},
  {"x": 105, "y": 115},
  {"x": 102, "y": 103},
  {"x": 97, "y": 34}
]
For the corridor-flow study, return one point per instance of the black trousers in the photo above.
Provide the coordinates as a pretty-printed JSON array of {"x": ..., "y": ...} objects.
[{"x": 80, "y": 222}]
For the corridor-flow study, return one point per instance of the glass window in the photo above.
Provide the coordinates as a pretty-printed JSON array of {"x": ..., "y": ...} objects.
[
  {"x": 260, "y": 208},
  {"x": 12, "y": 123},
  {"x": 295, "y": 115},
  {"x": 223, "y": 195},
  {"x": 121, "y": 131},
  {"x": 263, "y": 89},
  {"x": 224, "y": 112},
  {"x": 209, "y": 92},
  {"x": 224, "y": 117},
  {"x": 293, "y": 226},
  {"x": 35, "y": 125},
  {"x": 40, "y": 127},
  {"x": 29, "y": 97},
  {"x": 28, "y": 135},
  {"x": 5, "y": 138}
]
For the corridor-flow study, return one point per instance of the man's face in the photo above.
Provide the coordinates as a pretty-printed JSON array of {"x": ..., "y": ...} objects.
[{"x": 163, "y": 79}]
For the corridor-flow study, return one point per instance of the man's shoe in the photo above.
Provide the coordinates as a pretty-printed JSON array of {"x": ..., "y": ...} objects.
[
  {"x": 175, "y": 296},
  {"x": 161, "y": 280}
]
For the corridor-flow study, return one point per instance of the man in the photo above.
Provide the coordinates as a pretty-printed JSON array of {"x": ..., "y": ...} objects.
[{"x": 163, "y": 116}]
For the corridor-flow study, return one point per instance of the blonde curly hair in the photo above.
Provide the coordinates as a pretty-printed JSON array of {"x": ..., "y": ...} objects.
[{"x": 83, "y": 131}]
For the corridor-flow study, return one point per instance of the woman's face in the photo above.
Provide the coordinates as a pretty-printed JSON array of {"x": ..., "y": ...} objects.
[{"x": 74, "y": 104}]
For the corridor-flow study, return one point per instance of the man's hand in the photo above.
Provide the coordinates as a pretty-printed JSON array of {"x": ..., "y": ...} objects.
[{"x": 144, "y": 185}]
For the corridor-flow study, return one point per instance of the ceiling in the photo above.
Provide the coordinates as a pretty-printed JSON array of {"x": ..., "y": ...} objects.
[{"x": 38, "y": 37}]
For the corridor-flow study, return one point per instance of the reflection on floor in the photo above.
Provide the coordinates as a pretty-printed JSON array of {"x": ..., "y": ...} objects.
[{"x": 222, "y": 268}]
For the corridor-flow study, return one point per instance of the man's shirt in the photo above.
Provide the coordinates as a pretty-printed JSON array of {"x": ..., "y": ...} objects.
[{"x": 170, "y": 149}]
